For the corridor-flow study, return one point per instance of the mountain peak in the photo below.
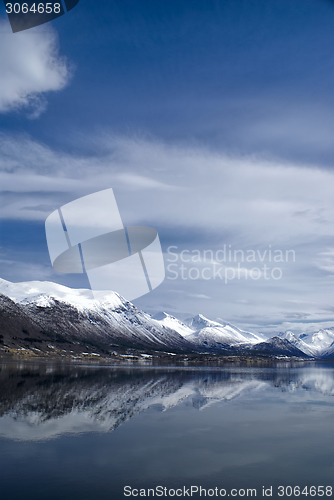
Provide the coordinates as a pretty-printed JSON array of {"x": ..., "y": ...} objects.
[
  {"x": 43, "y": 292},
  {"x": 173, "y": 323},
  {"x": 199, "y": 321}
]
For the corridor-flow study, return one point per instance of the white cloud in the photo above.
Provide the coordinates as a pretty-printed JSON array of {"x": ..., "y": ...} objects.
[{"x": 30, "y": 66}]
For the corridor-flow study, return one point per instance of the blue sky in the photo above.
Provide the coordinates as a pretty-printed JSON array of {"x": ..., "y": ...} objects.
[{"x": 211, "y": 120}]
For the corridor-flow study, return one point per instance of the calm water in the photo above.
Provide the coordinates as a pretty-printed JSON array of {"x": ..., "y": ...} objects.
[{"x": 78, "y": 433}]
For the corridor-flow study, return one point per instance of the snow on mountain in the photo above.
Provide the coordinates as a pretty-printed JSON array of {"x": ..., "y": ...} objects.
[
  {"x": 278, "y": 347},
  {"x": 40, "y": 291},
  {"x": 199, "y": 321},
  {"x": 320, "y": 341},
  {"x": 173, "y": 323},
  {"x": 213, "y": 335},
  {"x": 207, "y": 334},
  {"x": 61, "y": 309},
  {"x": 298, "y": 342},
  {"x": 316, "y": 344},
  {"x": 329, "y": 353},
  {"x": 51, "y": 312}
]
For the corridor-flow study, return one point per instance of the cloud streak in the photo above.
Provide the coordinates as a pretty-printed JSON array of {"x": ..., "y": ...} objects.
[{"x": 265, "y": 201}]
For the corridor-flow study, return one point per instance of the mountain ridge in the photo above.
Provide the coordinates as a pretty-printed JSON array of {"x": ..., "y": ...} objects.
[{"x": 41, "y": 318}]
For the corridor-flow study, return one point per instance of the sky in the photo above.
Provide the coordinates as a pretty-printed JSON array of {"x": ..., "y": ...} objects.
[{"x": 213, "y": 123}]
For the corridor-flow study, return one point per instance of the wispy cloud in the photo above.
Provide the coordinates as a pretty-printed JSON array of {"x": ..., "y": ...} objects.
[
  {"x": 30, "y": 66},
  {"x": 261, "y": 201},
  {"x": 141, "y": 182}
]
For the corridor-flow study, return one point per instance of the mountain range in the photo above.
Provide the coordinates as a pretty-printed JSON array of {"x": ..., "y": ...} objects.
[{"x": 46, "y": 319}]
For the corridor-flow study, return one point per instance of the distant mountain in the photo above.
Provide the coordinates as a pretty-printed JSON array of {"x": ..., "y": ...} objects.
[
  {"x": 175, "y": 324},
  {"x": 329, "y": 354},
  {"x": 276, "y": 346},
  {"x": 216, "y": 336},
  {"x": 199, "y": 321},
  {"x": 318, "y": 344},
  {"x": 43, "y": 318}
]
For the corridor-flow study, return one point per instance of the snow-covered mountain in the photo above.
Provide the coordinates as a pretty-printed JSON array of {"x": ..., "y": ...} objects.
[
  {"x": 215, "y": 335},
  {"x": 276, "y": 346},
  {"x": 175, "y": 324},
  {"x": 208, "y": 334},
  {"x": 75, "y": 315},
  {"x": 38, "y": 291},
  {"x": 39, "y": 316},
  {"x": 317, "y": 344}
]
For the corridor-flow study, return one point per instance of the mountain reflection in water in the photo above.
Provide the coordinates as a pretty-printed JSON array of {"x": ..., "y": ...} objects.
[{"x": 42, "y": 401}]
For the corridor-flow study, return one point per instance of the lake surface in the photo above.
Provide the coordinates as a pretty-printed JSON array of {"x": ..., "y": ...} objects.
[{"x": 84, "y": 433}]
